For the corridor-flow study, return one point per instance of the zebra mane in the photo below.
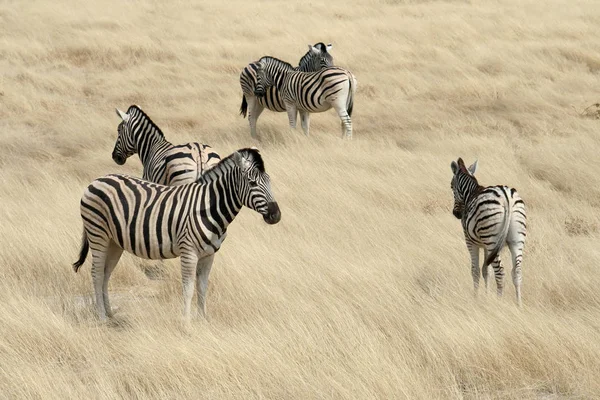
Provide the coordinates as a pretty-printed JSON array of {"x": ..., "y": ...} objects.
[
  {"x": 141, "y": 112},
  {"x": 251, "y": 154},
  {"x": 276, "y": 61}
]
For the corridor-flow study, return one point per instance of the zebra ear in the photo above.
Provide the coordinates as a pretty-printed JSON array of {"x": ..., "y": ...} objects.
[
  {"x": 122, "y": 115},
  {"x": 473, "y": 168},
  {"x": 454, "y": 167},
  {"x": 241, "y": 161},
  {"x": 329, "y": 47},
  {"x": 314, "y": 49}
]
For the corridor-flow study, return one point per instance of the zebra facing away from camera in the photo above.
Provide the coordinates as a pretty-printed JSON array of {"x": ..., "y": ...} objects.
[
  {"x": 308, "y": 92},
  {"x": 491, "y": 217},
  {"x": 163, "y": 162},
  {"x": 317, "y": 58},
  {"x": 155, "y": 221}
]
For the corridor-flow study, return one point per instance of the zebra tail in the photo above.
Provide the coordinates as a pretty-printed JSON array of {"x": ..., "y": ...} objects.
[
  {"x": 500, "y": 244},
  {"x": 85, "y": 247},
  {"x": 244, "y": 107}
]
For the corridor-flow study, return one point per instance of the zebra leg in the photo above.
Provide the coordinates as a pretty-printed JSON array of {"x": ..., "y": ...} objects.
[
  {"x": 516, "y": 250},
  {"x": 98, "y": 263},
  {"x": 484, "y": 270},
  {"x": 340, "y": 108},
  {"x": 292, "y": 112},
  {"x": 189, "y": 259},
  {"x": 305, "y": 120},
  {"x": 474, "y": 251},
  {"x": 254, "y": 111},
  {"x": 499, "y": 273},
  {"x": 202, "y": 271},
  {"x": 113, "y": 254}
]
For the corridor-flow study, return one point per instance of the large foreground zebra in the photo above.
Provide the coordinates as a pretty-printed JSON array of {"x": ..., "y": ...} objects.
[
  {"x": 317, "y": 57},
  {"x": 163, "y": 162},
  {"x": 309, "y": 92},
  {"x": 156, "y": 221},
  {"x": 491, "y": 217}
]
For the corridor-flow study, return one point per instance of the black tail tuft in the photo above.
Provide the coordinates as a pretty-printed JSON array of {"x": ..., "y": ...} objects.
[
  {"x": 244, "y": 107},
  {"x": 85, "y": 247}
]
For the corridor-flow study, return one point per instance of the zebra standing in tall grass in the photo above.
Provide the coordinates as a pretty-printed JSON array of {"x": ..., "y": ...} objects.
[
  {"x": 491, "y": 217},
  {"x": 155, "y": 221},
  {"x": 308, "y": 92},
  {"x": 315, "y": 59},
  {"x": 163, "y": 162}
]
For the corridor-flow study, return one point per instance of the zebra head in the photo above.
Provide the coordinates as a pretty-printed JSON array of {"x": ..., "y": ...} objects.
[
  {"x": 125, "y": 144},
  {"x": 264, "y": 78},
  {"x": 462, "y": 184},
  {"x": 254, "y": 188},
  {"x": 316, "y": 58}
]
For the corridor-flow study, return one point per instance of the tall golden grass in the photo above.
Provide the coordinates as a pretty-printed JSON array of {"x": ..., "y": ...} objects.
[{"x": 363, "y": 290}]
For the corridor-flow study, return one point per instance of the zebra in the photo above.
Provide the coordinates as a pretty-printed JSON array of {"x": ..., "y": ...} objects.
[
  {"x": 154, "y": 221},
  {"x": 307, "y": 92},
  {"x": 491, "y": 217},
  {"x": 316, "y": 58},
  {"x": 163, "y": 162}
]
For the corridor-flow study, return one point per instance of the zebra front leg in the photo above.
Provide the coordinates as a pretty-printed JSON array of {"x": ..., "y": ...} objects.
[
  {"x": 202, "y": 271},
  {"x": 346, "y": 121},
  {"x": 98, "y": 263},
  {"x": 255, "y": 109},
  {"x": 305, "y": 121},
  {"x": 292, "y": 112},
  {"x": 113, "y": 254},
  {"x": 516, "y": 250},
  {"x": 474, "y": 252},
  {"x": 189, "y": 260}
]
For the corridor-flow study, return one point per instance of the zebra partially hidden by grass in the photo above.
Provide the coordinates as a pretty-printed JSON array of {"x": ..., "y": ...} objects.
[
  {"x": 317, "y": 58},
  {"x": 163, "y": 162},
  {"x": 491, "y": 217},
  {"x": 308, "y": 92},
  {"x": 155, "y": 221}
]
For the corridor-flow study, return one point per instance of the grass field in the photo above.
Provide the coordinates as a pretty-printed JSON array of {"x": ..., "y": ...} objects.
[{"x": 363, "y": 290}]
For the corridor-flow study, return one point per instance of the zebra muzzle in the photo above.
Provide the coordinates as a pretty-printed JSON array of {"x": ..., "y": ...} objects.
[
  {"x": 120, "y": 160},
  {"x": 273, "y": 214}
]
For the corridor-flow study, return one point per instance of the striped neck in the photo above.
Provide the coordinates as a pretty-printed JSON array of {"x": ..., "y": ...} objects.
[
  {"x": 276, "y": 69},
  {"x": 224, "y": 179},
  {"x": 147, "y": 136},
  {"x": 468, "y": 187}
]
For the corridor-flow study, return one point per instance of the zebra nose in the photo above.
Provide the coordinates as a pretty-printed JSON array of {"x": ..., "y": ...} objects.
[
  {"x": 118, "y": 159},
  {"x": 457, "y": 213},
  {"x": 273, "y": 214}
]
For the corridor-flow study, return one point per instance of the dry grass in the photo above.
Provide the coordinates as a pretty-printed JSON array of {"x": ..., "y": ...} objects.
[{"x": 363, "y": 290}]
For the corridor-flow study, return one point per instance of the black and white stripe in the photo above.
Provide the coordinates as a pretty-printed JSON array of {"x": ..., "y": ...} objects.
[
  {"x": 492, "y": 217},
  {"x": 317, "y": 58},
  {"x": 155, "y": 221},
  {"x": 163, "y": 162},
  {"x": 309, "y": 92}
]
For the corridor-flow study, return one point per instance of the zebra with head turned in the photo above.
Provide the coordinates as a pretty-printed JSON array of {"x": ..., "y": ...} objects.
[
  {"x": 491, "y": 216},
  {"x": 317, "y": 57},
  {"x": 155, "y": 221},
  {"x": 163, "y": 162},
  {"x": 308, "y": 92}
]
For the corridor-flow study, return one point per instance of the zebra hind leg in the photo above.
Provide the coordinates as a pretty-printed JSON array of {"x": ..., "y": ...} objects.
[
  {"x": 346, "y": 121},
  {"x": 485, "y": 270},
  {"x": 516, "y": 250},
  {"x": 474, "y": 252},
  {"x": 113, "y": 254},
  {"x": 254, "y": 111},
  {"x": 202, "y": 271},
  {"x": 499, "y": 274},
  {"x": 189, "y": 261},
  {"x": 98, "y": 265},
  {"x": 305, "y": 120}
]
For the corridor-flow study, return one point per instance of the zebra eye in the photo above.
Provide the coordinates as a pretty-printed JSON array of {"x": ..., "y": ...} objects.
[{"x": 253, "y": 183}]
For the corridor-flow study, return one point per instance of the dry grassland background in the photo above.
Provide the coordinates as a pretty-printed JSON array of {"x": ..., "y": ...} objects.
[{"x": 363, "y": 290}]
